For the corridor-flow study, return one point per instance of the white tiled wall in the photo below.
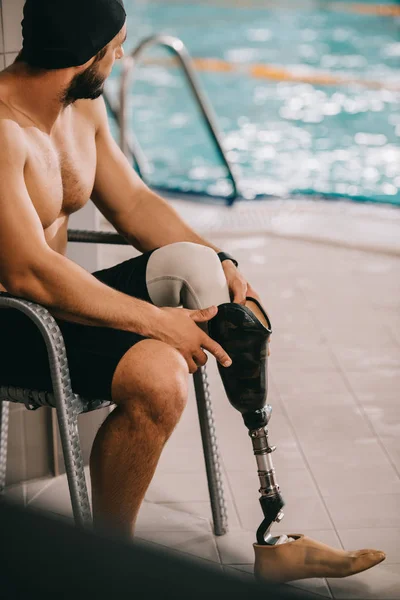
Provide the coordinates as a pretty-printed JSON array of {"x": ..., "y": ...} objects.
[{"x": 10, "y": 30}]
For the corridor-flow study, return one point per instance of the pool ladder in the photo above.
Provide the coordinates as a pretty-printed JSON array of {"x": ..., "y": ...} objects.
[{"x": 128, "y": 142}]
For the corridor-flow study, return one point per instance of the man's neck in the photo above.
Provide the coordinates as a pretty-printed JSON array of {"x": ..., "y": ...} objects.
[{"x": 39, "y": 96}]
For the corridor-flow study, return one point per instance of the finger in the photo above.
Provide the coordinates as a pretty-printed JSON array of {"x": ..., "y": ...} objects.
[
  {"x": 204, "y": 314},
  {"x": 192, "y": 366},
  {"x": 239, "y": 293},
  {"x": 200, "y": 358},
  {"x": 216, "y": 350}
]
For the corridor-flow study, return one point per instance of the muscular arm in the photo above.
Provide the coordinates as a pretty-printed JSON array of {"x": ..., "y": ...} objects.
[
  {"x": 29, "y": 268},
  {"x": 145, "y": 219}
]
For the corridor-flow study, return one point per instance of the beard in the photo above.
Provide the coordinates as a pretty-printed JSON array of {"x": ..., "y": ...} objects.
[{"x": 87, "y": 85}]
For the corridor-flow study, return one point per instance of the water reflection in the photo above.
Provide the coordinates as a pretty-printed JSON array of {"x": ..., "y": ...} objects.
[{"x": 282, "y": 136}]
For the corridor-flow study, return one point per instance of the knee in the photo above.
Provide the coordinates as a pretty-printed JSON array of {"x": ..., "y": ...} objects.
[
  {"x": 190, "y": 259},
  {"x": 151, "y": 382},
  {"x": 199, "y": 265}
]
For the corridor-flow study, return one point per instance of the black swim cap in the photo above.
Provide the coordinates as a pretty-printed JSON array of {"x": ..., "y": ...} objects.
[{"x": 67, "y": 33}]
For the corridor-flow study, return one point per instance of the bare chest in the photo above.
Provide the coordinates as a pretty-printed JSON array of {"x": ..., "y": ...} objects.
[{"x": 60, "y": 173}]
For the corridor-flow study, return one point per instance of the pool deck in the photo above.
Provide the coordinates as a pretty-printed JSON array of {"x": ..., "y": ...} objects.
[{"x": 330, "y": 278}]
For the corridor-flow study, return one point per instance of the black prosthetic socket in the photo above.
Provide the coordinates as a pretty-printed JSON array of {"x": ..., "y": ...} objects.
[{"x": 245, "y": 339}]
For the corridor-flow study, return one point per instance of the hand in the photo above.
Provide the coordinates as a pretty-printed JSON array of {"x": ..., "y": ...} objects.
[
  {"x": 177, "y": 327},
  {"x": 239, "y": 288},
  {"x": 237, "y": 284}
]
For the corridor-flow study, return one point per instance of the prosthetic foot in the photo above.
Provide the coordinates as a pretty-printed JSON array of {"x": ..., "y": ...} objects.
[
  {"x": 304, "y": 558},
  {"x": 244, "y": 334}
]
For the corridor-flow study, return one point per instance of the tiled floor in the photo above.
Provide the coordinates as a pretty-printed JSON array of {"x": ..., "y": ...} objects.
[{"x": 335, "y": 381}]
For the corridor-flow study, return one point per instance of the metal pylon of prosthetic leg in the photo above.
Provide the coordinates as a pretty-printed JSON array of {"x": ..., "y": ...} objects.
[{"x": 271, "y": 500}]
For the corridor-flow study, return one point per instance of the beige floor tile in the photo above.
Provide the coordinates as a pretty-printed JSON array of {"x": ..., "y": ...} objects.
[
  {"x": 328, "y": 423},
  {"x": 52, "y": 494},
  {"x": 382, "y": 582},
  {"x": 294, "y": 482},
  {"x": 241, "y": 458},
  {"x": 315, "y": 586},
  {"x": 364, "y": 510},
  {"x": 392, "y": 447},
  {"x": 355, "y": 479},
  {"x": 291, "y": 336},
  {"x": 237, "y": 450},
  {"x": 188, "y": 491},
  {"x": 36, "y": 487},
  {"x": 178, "y": 487},
  {"x": 377, "y": 382},
  {"x": 307, "y": 512},
  {"x": 292, "y": 361},
  {"x": 315, "y": 382},
  {"x": 385, "y": 419},
  {"x": 308, "y": 400},
  {"x": 54, "y": 498},
  {"x": 387, "y": 398},
  {"x": 203, "y": 510},
  {"x": 236, "y": 547},
  {"x": 386, "y": 539},
  {"x": 182, "y": 454},
  {"x": 164, "y": 517},
  {"x": 200, "y": 544},
  {"x": 350, "y": 452},
  {"x": 367, "y": 356},
  {"x": 347, "y": 328}
]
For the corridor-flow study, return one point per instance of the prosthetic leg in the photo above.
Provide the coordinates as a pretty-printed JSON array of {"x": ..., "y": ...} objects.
[{"x": 245, "y": 337}]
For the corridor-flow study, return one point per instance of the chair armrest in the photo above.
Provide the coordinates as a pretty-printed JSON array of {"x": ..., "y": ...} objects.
[
  {"x": 96, "y": 237},
  {"x": 54, "y": 340}
]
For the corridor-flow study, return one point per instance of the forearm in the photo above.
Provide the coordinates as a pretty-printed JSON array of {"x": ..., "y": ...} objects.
[
  {"x": 155, "y": 223},
  {"x": 73, "y": 294}
]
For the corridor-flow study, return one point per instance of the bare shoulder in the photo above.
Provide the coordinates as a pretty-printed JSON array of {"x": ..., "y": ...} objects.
[
  {"x": 94, "y": 110},
  {"x": 12, "y": 139}
]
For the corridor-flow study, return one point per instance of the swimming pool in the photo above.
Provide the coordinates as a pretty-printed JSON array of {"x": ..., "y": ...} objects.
[{"x": 306, "y": 92}]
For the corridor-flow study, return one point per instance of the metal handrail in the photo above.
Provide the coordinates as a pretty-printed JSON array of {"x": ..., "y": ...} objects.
[
  {"x": 129, "y": 144},
  {"x": 133, "y": 149}
]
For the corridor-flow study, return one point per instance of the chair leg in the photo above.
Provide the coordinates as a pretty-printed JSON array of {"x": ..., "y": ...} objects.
[
  {"x": 210, "y": 449},
  {"x": 68, "y": 424},
  {"x": 4, "y": 413}
]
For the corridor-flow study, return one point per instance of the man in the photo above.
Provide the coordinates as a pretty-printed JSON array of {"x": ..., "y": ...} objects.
[{"x": 126, "y": 334}]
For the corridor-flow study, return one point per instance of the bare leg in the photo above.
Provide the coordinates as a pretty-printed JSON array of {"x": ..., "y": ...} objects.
[
  {"x": 255, "y": 309},
  {"x": 150, "y": 388}
]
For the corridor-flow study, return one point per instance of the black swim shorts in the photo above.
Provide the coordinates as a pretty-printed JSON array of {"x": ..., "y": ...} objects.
[{"x": 93, "y": 352}]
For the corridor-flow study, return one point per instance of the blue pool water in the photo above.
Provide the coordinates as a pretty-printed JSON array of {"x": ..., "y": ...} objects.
[{"x": 297, "y": 135}]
